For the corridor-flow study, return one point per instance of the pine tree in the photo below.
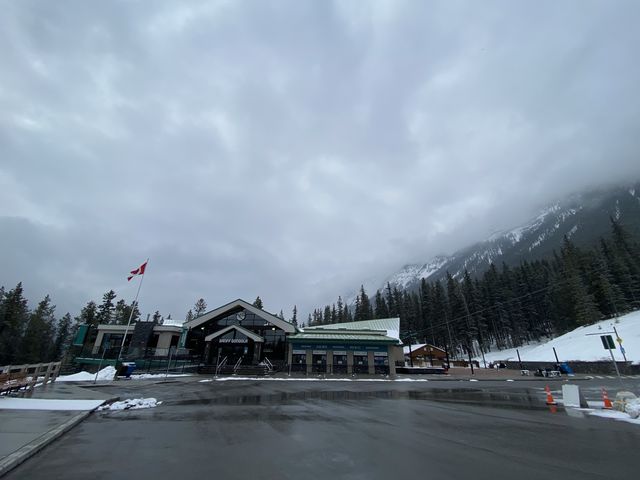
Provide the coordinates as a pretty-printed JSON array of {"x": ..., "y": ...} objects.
[
  {"x": 122, "y": 313},
  {"x": 627, "y": 256},
  {"x": 13, "y": 320},
  {"x": 89, "y": 314},
  {"x": 347, "y": 315},
  {"x": 327, "y": 315},
  {"x": 440, "y": 316},
  {"x": 189, "y": 316},
  {"x": 258, "y": 303},
  {"x": 63, "y": 337},
  {"x": 106, "y": 308},
  {"x": 294, "y": 318},
  {"x": 584, "y": 307},
  {"x": 365, "y": 311},
  {"x": 391, "y": 301},
  {"x": 381, "y": 309},
  {"x": 458, "y": 323},
  {"x": 200, "y": 307},
  {"x": 37, "y": 341}
]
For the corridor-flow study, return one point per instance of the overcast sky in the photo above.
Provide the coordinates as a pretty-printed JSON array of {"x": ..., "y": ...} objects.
[{"x": 294, "y": 149}]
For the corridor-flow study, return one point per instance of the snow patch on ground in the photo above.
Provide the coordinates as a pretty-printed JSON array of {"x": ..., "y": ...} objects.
[
  {"x": 105, "y": 374},
  {"x": 132, "y": 404},
  {"x": 578, "y": 345},
  {"x": 614, "y": 415},
  {"x": 10, "y": 403},
  {"x": 408, "y": 380},
  {"x": 145, "y": 376},
  {"x": 295, "y": 379}
]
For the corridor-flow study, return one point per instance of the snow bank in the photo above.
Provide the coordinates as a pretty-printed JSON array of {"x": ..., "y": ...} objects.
[
  {"x": 632, "y": 408},
  {"x": 576, "y": 345},
  {"x": 132, "y": 404},
  {"x": 105, "y": 374},
  {"x": 614, "y": 415}
]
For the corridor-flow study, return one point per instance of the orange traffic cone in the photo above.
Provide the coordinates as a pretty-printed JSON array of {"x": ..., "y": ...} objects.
[
  {"x": 550, "y": 400},
  {"x": 605, "y": 399}
]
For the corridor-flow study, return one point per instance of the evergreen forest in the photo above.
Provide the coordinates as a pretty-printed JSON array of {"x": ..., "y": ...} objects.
[{"x": 508, "y": 306}]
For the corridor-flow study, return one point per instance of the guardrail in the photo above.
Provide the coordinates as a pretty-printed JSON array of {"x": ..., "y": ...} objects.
[{"x": 16, "y": 377}]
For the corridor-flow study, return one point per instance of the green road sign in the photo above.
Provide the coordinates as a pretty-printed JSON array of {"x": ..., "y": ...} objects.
[{"x": 607, "y": 342}]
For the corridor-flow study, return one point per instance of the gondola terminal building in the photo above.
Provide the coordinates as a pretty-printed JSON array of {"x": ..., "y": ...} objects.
[{"x": 240, "y": 333}]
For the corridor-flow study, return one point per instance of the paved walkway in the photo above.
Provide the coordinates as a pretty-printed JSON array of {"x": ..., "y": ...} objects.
[{"x": 29, "y": 424}]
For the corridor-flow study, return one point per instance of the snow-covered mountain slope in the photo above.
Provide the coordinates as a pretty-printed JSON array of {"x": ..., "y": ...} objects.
[
  {"x": 413, "y": 273},
  {"x": 583, "y": 218},
  {"x": 583, "y": 343}
]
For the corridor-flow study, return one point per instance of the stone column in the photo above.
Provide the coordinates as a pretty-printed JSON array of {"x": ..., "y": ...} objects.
[
  {"x": 207, "y": 350},
  {"x": 349, "y": 362},
  {"x": 257, "y": 346},
  {"x": 98, "y": 342},
  {"x": 309, "y": 360},
  {"x": 392, "y": 361},
  {"x": 370, "y": 361},
  {"x": 330, "y": 361}
]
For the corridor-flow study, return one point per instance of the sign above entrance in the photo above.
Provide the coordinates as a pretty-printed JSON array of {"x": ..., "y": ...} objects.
[
  {"x": 369, "y": 348},
  {"x": 232, "y": 340}
]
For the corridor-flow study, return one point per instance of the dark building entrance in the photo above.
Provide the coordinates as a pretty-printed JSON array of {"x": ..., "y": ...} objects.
[
  {"x": 234, "y": 343},
  {"x": 239, "y": 331}
]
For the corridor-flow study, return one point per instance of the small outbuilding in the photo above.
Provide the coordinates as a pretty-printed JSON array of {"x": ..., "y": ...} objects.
[{"x": 424, "y": 354}]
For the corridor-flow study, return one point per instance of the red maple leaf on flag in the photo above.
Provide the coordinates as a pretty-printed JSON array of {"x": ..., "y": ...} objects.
[{"x": 138, "y": 271}]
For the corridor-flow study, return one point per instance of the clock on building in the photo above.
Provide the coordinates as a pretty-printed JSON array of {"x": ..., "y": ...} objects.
[{"x": 241, "y": 315}]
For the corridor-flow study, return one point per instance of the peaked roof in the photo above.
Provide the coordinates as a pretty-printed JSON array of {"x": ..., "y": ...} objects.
[
  {"x": 244, "y": 331},
  {"x": 278, "y": 322},
  {"x": 418, "y": 346},
  {"x": 390, "y": 325}
]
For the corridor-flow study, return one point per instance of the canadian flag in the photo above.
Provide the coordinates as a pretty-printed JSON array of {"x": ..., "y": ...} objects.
[{"x": 138, "y": 271}]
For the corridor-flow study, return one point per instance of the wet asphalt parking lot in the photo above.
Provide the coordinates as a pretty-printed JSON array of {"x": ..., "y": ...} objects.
[{"x": 351, "y": 430}]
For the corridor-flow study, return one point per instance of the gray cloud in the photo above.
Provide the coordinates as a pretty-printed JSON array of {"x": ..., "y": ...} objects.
[{"x": 293, "y": 149}]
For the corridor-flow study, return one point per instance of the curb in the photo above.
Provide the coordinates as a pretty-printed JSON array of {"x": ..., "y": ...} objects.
[
  {"x": 519, "y": 379},
  {"x": 30, "y": 449},
  {"x": 423, "y": 378}
]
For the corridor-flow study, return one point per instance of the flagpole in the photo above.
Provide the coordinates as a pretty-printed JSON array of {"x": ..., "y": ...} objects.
[{"x": 133, "y": 309}]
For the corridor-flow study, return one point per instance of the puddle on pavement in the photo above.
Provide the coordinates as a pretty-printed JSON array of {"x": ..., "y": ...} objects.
[{"x": 520, "y": 399}]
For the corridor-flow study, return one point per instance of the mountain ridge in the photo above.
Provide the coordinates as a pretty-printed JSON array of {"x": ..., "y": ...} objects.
[{"x": 583, "y": 217}]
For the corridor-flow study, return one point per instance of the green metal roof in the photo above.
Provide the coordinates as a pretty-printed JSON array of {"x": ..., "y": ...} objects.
[
  {"x": 372, "y": 336},
  {"x": 390, "y": 326}
]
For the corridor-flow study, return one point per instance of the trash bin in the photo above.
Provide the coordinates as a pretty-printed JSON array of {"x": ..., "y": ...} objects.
[{"x": 126, "y": 369}]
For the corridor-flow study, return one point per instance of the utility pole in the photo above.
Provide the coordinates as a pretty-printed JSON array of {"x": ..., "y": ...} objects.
[{"x": 619, "y": 340}]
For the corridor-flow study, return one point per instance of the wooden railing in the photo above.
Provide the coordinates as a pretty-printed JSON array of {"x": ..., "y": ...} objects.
[{"x": 17, "y": 377}]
